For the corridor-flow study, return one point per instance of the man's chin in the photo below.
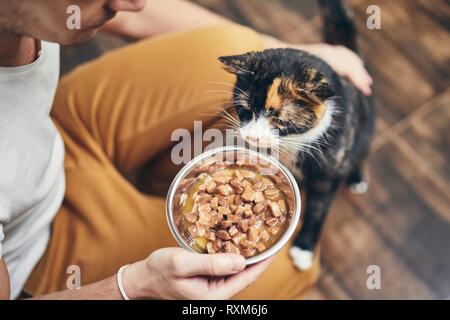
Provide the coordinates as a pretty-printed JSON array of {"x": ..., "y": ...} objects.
[{"x": 78, "y": 36}]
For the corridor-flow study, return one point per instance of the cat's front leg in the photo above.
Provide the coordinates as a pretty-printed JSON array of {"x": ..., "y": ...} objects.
[{"x": 320, "y": 194}]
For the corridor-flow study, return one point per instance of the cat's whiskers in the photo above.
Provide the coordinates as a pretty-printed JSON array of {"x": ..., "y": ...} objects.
[
  {"x": 241, "y": 98},
  {"x": 232, "y": 119},
  {"x": 299, "y": 144},
  {"x": 214, "y": 107},
  {"x": 223, "y": 125},
  {"x": 297, "y": 147},
  {"x": 232, "y": 86},
  {"x": 296, "y": 130},
  {"x": 228, "y": 117},
  {"x": 309, "y": 151},
  {"x": 283, "y": 151},
  {"x": 241, "y": 103},
  {"x": 304, "y": 151},
  {"x": 223, "y": 114},
  {"x": 217, "y": 91},
  {"x": 224, "y": 105},
  {"x": 232, "y": 103},
  {"x": 289, "y": 154}
]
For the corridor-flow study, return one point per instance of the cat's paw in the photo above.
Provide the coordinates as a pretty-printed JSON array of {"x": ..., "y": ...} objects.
[
  {"x": 302, "y": 259},
  {"x": 359, "y": 188}
]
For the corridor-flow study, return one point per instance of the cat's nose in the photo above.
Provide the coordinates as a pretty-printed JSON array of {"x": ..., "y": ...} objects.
[{"x": 258, "y": 132}]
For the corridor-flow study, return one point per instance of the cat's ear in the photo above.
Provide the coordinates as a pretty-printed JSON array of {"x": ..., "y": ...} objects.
[
  {"x": 238, "y": 65},
  {"x": 325, "y": 91},
  {"x": 319, "y": 85}
]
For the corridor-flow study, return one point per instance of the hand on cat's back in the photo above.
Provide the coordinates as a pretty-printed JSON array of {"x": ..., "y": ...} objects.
[{"x": 346, "y": 63}]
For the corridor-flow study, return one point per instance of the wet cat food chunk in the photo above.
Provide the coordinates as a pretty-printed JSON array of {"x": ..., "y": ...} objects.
[{"x": 233, "y": 207}]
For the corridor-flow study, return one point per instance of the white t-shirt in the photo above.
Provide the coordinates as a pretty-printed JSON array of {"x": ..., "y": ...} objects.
[{"x": 31, "y": 163}]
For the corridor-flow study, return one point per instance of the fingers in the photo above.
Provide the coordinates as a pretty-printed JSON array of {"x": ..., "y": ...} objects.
[
  {"x": 348, "y": 64},
  {"x": 193, "y": 271},
  {"x": 187, "y": 264},
  {"x": 361, "y": 80},
  {"x": 345, "y": 62},
  {"x": 355, "y": 70},
  {"x": 359, "y": 76},
  {"x": 238, "y": 282}
]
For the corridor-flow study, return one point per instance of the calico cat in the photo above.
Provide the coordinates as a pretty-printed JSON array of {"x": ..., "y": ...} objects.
[{"x": 324, "y": 124}]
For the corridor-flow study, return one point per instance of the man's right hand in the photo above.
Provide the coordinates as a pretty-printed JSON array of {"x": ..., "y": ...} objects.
[{"x": 174, "y": 273}]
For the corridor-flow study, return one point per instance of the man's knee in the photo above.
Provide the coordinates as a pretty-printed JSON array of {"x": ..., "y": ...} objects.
[{"x": 237, "y": 39}]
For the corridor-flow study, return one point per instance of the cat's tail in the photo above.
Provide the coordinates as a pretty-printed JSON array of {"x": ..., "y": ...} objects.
[{"x": 338, "y": 25}]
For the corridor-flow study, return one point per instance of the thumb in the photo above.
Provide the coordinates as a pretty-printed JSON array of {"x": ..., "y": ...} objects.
[{"x": 220, "y": 264}]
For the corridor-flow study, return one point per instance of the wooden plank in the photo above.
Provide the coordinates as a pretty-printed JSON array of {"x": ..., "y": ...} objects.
[
  {"x": 276, "y": 18},
  {"x": 395, "y": 76},
  {"x": 223, "y": 8},
  {"x": 409, "y": 227},
  {"x": 418, "y": 36},
  {"x": 438, "y": 10},
  {"x": 331, "y": 287},
  {"x": 351, "y": 243},
  {"x": 430, "y": 137},
  {"x": 399, "y": 88},
  {"x": 308, "y": 9},
  {"x": 387, "y": 134},
  {"x": 327, "y": 287}
]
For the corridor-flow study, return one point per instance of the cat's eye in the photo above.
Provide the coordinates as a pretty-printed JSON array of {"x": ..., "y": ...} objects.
[
  {"x": 284, "y": 127},
  {"x": 270, "y": 112},
  {"x": 245, "y": 114}
]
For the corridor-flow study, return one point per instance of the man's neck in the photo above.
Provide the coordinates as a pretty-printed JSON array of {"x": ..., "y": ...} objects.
[{"x": 17, "y": 51}]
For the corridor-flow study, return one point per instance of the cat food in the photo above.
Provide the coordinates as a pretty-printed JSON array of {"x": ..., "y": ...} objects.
[{"x": 233, "y": 206}]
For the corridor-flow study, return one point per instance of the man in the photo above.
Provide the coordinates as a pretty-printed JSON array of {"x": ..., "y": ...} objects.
[{"x": 65, "y": 202}]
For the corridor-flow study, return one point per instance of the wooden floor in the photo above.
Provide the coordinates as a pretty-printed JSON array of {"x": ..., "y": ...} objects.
[{"x": 402, "y": 224}]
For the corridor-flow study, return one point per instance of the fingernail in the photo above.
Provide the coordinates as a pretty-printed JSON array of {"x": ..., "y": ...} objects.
[{"x": 238, "y": 263}]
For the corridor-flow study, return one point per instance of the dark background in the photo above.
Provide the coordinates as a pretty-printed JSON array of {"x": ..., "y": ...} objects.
[{"x": 403, "y": 223}]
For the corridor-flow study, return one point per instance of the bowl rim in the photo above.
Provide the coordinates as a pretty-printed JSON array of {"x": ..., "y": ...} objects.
[{"x": 188, "y": 166}]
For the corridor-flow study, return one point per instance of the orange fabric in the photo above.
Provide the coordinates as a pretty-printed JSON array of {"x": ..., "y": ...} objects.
[{"x": 116, "y": 114}]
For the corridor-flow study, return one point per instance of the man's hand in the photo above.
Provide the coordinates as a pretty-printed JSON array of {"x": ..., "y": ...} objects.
[
  {"x": 345, "y": 62},
  {"x": 174, "y": 273}
]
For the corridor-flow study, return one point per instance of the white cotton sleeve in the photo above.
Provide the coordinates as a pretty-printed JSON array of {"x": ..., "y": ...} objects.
[
  {"x": 3, "y": 217},
  {"x": 1, "y": 239}
]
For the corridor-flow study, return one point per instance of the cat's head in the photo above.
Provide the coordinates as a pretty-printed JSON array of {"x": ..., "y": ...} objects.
[{"x": 281, "y": 94}]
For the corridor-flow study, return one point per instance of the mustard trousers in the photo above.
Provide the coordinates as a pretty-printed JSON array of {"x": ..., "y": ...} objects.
[{"x": 116, "y": 114}]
